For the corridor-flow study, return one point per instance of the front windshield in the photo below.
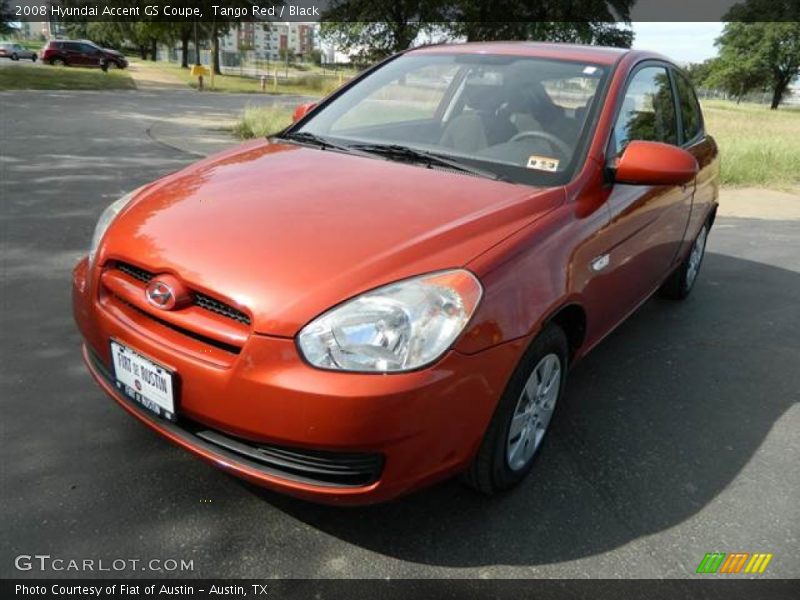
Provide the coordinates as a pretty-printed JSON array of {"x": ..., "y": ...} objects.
[{"x": 524, "y": 119}]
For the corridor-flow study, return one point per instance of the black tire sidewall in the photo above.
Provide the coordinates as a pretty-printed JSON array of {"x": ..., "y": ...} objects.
[
  {"x": 550, "y": 340},
  {"x": 676, "y": 287},
  {"x": 687, "y": 287}
]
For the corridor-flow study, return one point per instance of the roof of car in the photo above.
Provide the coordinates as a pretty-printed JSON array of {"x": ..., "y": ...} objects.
[{"x": 595, "y": 54}]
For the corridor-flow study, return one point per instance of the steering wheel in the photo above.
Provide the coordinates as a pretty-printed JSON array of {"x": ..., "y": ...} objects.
[{"x": 560, "y": 144}]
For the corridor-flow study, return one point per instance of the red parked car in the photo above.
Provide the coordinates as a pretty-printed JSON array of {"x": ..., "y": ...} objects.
[
  {"x": 82, "y": 53},
  {"x": 392, "y": 290}
]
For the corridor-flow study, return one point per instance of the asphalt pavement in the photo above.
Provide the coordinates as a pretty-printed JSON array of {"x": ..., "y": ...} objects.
[{"x": 678, "y": 435}]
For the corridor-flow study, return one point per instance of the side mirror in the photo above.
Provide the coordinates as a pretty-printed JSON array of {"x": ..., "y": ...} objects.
[
  {"x": 654, "y": 163},
  {"x": 302, "y": 110}
]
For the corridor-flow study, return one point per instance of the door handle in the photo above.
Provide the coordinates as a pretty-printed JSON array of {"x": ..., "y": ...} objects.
[{"x": 601, "y": 262}]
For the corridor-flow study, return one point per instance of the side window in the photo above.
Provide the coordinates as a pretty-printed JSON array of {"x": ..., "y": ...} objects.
[
  {"x": 648, "y": 111},
  {"x": 691, "y": 116}
]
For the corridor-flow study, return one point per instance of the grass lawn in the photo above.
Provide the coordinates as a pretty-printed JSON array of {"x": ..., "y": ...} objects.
[
  {"x": 44, "y": 77},
  {"x": 758, "y": 146},
  {"x": 312, "y": 84},
  {"x": 261, "y": 121}
]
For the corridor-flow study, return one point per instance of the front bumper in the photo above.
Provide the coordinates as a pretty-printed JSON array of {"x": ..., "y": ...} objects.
[{"x": 417, "y": 427}]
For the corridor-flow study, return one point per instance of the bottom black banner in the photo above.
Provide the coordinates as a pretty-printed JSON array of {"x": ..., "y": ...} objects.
[{"x": 383, "y": 589}]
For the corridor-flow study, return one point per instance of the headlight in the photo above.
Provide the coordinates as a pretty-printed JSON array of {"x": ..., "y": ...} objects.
[
  {"x": 108, "y": 216},
  {"x": 399, "y": 327}
]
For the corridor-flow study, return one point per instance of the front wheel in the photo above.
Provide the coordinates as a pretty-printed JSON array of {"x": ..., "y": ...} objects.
[
  {"x": 33, "y": 58},
  {"x": 680, "y": 283},
  {"x": 523, "y": 415},
  {"x": 58, "y": 62}
]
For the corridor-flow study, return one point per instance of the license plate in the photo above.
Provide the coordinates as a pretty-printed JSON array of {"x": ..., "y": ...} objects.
[{"x": 144, "y": 381}]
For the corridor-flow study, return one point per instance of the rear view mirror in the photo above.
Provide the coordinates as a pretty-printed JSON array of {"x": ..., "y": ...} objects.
[
  {"x": 654, "y": 163},
  {"x": 302, "y": 110}
]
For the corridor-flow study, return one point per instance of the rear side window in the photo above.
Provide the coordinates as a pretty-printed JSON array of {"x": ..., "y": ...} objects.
[
  {"x": 648, "y": 111},
  {"x": 691, "y": 117}
]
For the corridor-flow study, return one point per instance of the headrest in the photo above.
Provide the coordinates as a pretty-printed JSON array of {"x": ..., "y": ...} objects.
[{"x": 483, "y": 97}]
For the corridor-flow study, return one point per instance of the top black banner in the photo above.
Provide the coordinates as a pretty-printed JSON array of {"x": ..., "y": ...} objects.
[{"x": 410, "y": 11}]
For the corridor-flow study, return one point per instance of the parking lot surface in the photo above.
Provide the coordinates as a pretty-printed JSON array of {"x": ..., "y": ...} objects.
[{"x": 678, "y": 435}]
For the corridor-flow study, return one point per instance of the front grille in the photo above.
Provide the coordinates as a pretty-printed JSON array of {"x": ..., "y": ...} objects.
[
  {"x": 318, "y": 467},
  {"x": 135, "y": 272},
  {"x": 201, "y": 300},
  {"x": 209, "y": 303},
  {"x": 192, "y": 334}
]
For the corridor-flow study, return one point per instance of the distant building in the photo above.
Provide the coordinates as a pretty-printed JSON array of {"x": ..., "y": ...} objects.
[
  {"x": 794, "y": 93},
  {"x": 273, "y": 40},
  {"x": 33, "y": 30}
]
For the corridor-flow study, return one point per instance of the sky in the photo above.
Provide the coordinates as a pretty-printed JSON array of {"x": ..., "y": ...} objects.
[{"x": 682, "y": 42}]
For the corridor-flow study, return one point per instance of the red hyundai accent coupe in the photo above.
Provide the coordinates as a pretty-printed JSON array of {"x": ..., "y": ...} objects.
[{"x": 391, "y": 290}]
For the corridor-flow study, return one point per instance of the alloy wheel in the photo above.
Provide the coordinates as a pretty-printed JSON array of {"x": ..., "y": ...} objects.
[{"x": 533, "y": 412}]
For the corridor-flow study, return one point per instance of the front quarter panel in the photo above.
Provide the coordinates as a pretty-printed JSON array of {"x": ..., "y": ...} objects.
[{"x": 531, "y": 274}]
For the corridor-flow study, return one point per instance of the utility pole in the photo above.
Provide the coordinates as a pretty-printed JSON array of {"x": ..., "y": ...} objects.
[
  {"x": 196, "y": 45},
  {"x": 198, "y": 69}
]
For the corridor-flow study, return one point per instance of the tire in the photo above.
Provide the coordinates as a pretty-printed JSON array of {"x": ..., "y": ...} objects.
[
  {"x": 58, "y": 62},
  {"x": 680, "y": 283},
  {"x": 503, "y": 459},
  {"x": 33, "y": 58},
  {"x": 14, "y": 56}
]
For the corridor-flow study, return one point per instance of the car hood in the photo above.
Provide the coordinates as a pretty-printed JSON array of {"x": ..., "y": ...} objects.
[{"x": 286, "y": 232}]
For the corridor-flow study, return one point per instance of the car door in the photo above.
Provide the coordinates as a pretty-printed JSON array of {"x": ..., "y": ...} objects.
[
  {"x": 646, "y": 224},
  {"x": 73, "y": 53},
  {"x": 91, "y": 55},
  {"x": 695, "y": 141}
]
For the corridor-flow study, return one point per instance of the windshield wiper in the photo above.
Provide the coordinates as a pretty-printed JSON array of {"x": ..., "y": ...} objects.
[
  {"x": 431, "y": 159},
  {"x": 304, "y": 137}
]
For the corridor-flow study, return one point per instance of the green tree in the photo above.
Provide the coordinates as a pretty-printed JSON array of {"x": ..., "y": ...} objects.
[
  {"x": 315, "y": 56},
  {"x": 736, "y": 75},
  {"x": 6, "y": 17},
  {"x": 183, "y": 32},
  {"x": 576, "y": 21},
  {"x": 760, "y": 46},
  {"x": 370, "y": 30},
  {"x": 699, "y": 73}
]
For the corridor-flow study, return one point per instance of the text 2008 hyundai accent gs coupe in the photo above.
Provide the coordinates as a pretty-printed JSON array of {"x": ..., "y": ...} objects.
[{"x": 391, "y": 290}]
